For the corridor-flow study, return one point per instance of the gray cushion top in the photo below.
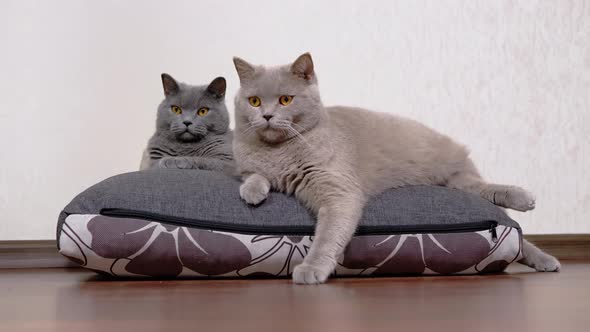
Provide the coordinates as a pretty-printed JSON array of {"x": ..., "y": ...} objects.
[{"x": 213, "y": 197}]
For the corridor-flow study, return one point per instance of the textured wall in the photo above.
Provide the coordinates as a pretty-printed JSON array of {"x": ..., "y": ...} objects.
[{"x": 511, "y": 79}]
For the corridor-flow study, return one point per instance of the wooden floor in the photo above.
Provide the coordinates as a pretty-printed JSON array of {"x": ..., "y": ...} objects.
[{"x": 76, "y": 300}]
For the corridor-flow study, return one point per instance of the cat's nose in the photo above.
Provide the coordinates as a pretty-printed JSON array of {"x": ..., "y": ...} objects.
[
  {"x": 267, "y": 117},
  {"x": 187, "y": 123}
]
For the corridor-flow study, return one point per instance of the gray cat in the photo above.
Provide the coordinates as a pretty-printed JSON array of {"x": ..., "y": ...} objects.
[
  {"x": 334, "y": 158},
  {"x": 192, "y": 129}
]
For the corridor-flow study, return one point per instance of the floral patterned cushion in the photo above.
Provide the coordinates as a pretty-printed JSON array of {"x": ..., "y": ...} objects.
[{"x": 171, "y": 223}]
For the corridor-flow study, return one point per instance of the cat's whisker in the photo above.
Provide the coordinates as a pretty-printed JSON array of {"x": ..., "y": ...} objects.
[
  {"x": 247, "y": 130},
  {"x": 302, "y": 128},
  {"x": 285, "y": 132},
  {"x": 287, "y": 125},
  {"x": 251, "y": 128}
]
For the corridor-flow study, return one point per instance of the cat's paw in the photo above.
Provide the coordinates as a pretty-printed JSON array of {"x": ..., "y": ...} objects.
[
  {"x": 178, "y": 163},
  {"x": 545, "y": 263},
  {"x": 165, "y": 163},
  {"x": 254, "y": 192},
  {"x": 518, "y": 199},
  {"x": 204, "y": 167},
  {"x": 307, "y": 274}
]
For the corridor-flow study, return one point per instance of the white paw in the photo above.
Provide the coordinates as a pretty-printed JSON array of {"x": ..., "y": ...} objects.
[
  {"x": 254, "y": 192},
  {"x": 546, "y": 263},
  {"x": 310, "y": 275},
  {"x": 520, "y": 199}
]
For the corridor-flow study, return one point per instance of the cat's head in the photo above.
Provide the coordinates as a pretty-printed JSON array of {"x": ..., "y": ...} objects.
[
  {"x": 277, "y": 103},
  {"x": 188, "y": 112}
]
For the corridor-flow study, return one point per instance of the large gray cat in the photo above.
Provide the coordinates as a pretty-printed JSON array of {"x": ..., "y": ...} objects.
[
  {"x": 192, "y": 128},
  {"x": 334, "y": 158}
]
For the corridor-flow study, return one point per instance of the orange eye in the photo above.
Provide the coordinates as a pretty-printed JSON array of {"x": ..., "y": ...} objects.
[
  {"x": 285, "y": 100},
  {"x": 254, "y": 101},
  {"x": 202, "y": 111},
  {"x": 176, "y": 110}
]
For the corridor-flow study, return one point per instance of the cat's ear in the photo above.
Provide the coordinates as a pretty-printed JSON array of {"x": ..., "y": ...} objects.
[
  {"x": 303, "y": 67},
  {"x": 217, "y": 87},
  {"x": 170, "y": 86},
  {"x": 244, "y": 69}
]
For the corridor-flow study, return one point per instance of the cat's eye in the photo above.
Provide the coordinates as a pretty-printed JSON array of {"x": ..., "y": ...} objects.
[
  {"x": 285, "y": 100},
  {"x": 175, "y": 109},
  {"x": 202, "y": 111},
  {"x": 254, "y": 101}
]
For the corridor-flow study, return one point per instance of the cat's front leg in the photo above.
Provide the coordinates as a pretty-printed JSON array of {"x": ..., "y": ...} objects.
[
  {"x": 217, "y": 165},
  {"x": 255, "y": 189},
  {"x": 337, "y": 222},
  {"x": 177, "y": 162}
]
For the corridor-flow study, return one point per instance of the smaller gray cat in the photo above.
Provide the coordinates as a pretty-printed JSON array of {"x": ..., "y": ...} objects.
[{"x": 192, "y": 129}]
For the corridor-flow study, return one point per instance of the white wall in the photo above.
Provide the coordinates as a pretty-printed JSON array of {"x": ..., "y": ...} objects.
[{"x": 80, "y": 83}]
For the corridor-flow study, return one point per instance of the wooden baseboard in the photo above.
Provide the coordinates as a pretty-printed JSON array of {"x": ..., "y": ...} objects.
[
  {"x": 44, "y": 254},
  {"x": 563, "y": 246},
  {"x": 31, "y": 254}
]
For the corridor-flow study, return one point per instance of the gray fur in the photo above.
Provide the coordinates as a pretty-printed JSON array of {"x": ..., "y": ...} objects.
[
  {"x": 334, "y": 158},
  {"x": 187, "y": 140}
]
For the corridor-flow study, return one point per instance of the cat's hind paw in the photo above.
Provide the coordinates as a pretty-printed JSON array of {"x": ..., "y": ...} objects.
[
  {"x": 306, "y": 274},
  {"x": 514, "y": 197},
  {"x": 521, "y": 200}
]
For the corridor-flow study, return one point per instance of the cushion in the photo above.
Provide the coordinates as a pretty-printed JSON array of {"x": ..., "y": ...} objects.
[{"x": 191, "y": 223}]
